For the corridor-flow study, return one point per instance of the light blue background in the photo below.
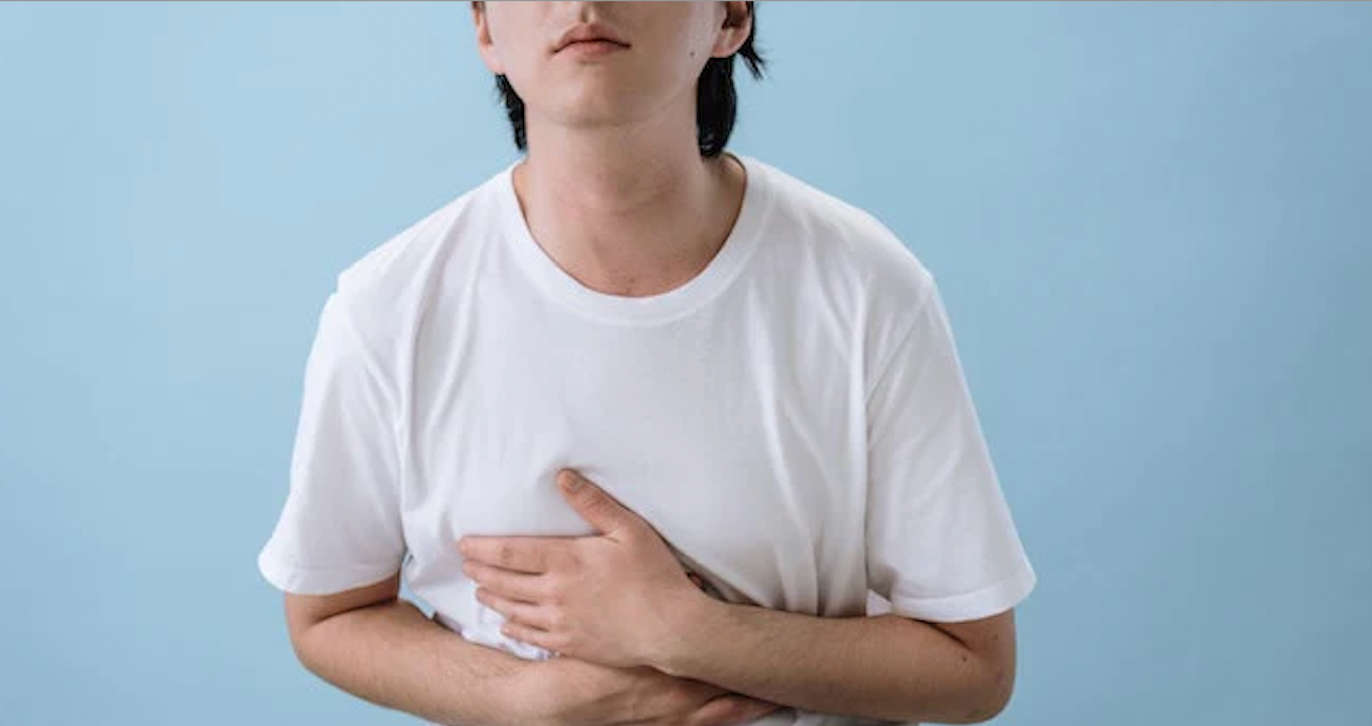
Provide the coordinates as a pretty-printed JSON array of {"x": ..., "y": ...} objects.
[{"x": 1151, "y": 223}]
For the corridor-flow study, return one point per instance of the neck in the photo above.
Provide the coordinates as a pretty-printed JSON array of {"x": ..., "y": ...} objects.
[{"x": 627, "y": 210}]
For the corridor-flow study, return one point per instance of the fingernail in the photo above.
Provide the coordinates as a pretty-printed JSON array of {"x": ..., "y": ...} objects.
[{"x": 569, "y": 480}]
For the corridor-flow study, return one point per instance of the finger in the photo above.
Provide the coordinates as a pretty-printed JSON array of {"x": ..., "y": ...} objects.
[
  {"x": 700, "y": 583},
  {"x": 729, "y": 710},
  {"x": 521, "y": 613},
  {"x": 524, "y": 554},
  {"x": 533, "y": 636},
  {"x": 509, "y": 584},
  {"x": 705, "y": 586},
  {"x": 593, "y": 504}
]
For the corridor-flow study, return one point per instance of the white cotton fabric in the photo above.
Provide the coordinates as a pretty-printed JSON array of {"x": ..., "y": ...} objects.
[{"x": 794, "y": 420}]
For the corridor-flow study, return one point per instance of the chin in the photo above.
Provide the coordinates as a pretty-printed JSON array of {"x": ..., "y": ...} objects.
[{"x": 598, "y": 112}]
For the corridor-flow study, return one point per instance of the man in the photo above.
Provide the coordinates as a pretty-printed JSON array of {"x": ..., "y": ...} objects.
[{"x": 725, "y": 372}]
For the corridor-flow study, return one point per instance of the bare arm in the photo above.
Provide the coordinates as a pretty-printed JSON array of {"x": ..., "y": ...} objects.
[
  {"x": 620, "y": 599},
  {"x": 380, "y": 648},
  {"x": 886, "y": 667},
  {"x": 376, "y": 646}
]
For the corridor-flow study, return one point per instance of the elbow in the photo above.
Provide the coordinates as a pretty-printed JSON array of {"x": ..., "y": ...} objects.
[
  {"x": 980, "y": 669},
  {"x": 308, "y": 616},
  {"x": 974, "y": 712},
  {"x": 302, "y": 646},
  {"x": 299, "y": 631},
  {"x": 987, "y": 709},
  {"x": 989, "y": 698},
  {"x": 309, "y": 643},
  {"x": 977, "y": 701}
]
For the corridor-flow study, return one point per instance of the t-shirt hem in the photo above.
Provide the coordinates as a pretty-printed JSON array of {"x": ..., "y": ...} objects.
[
  {"x": 292, "y": 578},
  {"x": 983, "y": 603}
]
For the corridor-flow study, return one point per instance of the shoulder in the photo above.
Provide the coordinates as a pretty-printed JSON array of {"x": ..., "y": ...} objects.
[
  {"x": 401, "y": 262},
  {"x": 404, "y": 267},
  {"x": 850, "y": 264},
  {"x": 384, "y": 294},
  {"x": 844, "y": 240}
]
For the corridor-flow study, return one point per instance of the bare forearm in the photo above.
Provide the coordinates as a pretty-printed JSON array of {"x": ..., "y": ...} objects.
[
  {"x": 392, "y": 655},
  {"x": 885, "y": 667}
]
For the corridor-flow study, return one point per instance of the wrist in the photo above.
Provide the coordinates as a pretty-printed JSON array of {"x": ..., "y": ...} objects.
[
  {"x": 694, "y": 622},
  {"x": 532, "y": 700}
]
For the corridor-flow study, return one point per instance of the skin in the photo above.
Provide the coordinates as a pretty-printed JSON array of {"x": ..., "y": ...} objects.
[
  {"x": 612, "y": 163},
  {"x": 621, "y": 599},
  {"x": 381, "y": 648},
  {"x": 613, "y": 159}
]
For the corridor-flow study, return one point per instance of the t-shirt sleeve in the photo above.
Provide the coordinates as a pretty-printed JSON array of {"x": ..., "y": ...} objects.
[
  {"x": 941, "y": 545},
  {"x": 340, "y": 526}
]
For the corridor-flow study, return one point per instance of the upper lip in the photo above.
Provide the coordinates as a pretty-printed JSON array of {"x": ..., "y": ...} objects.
[{"x": 585, "y": 32}]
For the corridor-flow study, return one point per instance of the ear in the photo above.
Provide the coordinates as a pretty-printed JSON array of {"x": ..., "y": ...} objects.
[
  {"x": 737, "y": 26},
  {"x": 481, "y": 18}
]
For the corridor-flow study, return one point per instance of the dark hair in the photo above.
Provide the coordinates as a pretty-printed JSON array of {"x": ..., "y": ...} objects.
[{"x": 716, "y": 100}]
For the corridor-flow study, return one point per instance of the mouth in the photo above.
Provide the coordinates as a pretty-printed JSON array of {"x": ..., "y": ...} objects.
[
  {"x": 590, "y": 37},
  {"x": 595, "y": 46},
  {"x": 593, "y": 41}
]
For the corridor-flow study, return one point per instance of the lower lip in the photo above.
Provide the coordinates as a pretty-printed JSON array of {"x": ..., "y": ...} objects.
[{"x": 591, "y": 48}]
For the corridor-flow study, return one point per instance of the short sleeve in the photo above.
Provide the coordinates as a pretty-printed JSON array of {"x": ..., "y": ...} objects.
[
  {"x": 941, "y": 545},
  {"x": 340, "y": 526}
]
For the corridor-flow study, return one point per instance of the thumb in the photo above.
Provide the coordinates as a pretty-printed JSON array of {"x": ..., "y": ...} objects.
[{"x": 592, "y": 503}]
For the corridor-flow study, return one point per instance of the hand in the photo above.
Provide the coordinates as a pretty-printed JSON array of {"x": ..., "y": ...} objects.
[
  {"x": 619, "y": 598},
  {"x": 569, "y": 692}
]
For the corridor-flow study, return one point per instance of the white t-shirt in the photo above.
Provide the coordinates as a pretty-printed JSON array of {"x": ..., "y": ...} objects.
[{"x": 794, "y": 420}]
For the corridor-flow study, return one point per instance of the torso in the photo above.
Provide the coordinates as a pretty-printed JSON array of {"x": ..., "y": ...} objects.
[{"x": 728, "y": 412}]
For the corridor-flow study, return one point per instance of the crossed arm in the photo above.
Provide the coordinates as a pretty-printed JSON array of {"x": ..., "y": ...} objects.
[{"x": 618, "y": 605}]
